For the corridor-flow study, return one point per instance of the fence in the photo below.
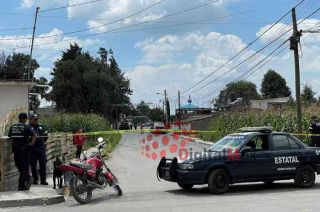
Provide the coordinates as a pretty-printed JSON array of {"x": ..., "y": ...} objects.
[{"x": 57, "y": 145}]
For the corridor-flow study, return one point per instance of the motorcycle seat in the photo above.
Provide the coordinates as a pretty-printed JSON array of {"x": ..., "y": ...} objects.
[{"x": 82, "y": 166}]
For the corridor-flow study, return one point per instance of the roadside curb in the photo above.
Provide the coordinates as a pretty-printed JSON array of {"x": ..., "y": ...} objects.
[
  {"x": 203, "y": 142},
  {"x": 37, "y": 201},
  {"x": 197, "y": 140}
]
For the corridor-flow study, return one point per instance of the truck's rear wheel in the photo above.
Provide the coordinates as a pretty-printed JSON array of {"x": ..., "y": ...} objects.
[
  {"x": 185, "y": 186},
  {"x": 305, "y": 176},
  {"x": 218, "y": 181}
]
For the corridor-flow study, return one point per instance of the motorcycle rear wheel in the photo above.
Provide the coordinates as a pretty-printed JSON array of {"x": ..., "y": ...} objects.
[{"x": 80, "y": 192}]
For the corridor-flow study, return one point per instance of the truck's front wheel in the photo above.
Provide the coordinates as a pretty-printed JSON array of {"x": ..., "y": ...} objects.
[
  {"x": 218, "y": 181},
  {"x": 305, "y": 176}
]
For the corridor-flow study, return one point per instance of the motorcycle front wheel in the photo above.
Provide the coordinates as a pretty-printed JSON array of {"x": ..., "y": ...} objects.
[
  {"x": 79, "y": 190},
  {"x": 118, "y": 190}
]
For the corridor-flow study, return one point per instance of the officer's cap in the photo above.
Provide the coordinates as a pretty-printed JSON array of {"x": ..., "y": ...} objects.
[
  {"x": 34, "y": 116},
  {"x": 23, "y": 116}
]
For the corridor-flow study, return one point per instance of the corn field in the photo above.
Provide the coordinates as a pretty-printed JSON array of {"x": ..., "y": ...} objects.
[
  {"x": 285, "y": 121},
  {"x": 72, "y": 122}
]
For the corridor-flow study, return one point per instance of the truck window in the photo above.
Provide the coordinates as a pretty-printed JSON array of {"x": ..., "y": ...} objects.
[
  {"x": 280, "y": 142},
  {"x": 293, "y": 143},
  {"x": 259, "y": 143}
]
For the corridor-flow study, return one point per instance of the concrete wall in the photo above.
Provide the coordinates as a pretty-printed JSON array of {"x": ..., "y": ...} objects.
[
  {"x": 57, "y": 145},
  {"x": 259, "y": 104},
  {"x": 201, "y": 124}
]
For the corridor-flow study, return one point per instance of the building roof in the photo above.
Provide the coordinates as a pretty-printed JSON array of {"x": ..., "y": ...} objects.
[
  {"x": 189, "y": 106},
  {"x": 15, "y": 82},
  {"x": 275, "y": 100}
]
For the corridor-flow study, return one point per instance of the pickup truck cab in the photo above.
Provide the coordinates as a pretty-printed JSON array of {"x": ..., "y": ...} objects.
[{"x": 252, "y": 155}]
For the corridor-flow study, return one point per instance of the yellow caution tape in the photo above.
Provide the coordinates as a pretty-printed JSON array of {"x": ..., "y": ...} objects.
[
  {"x": 110, "y": 132},
  {"x": 159, "y": 131}
]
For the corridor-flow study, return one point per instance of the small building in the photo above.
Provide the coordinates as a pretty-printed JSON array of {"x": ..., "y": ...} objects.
[
  {"x": 13, "y": 95},
  {"x": 193, "y": 110},
  {"x": 266, "y": 104}
]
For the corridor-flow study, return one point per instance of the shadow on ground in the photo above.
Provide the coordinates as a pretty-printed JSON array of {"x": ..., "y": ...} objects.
[{"x": 245, "y": 189}]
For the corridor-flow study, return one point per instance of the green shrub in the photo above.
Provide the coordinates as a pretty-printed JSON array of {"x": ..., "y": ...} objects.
[{"x": 72, "y": 122}]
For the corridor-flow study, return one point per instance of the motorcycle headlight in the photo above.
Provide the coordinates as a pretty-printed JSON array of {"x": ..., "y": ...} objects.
[{"x": 186, "y": 166}]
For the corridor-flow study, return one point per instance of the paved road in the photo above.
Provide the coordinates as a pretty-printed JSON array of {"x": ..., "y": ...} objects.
[{"x": 143, "y": 192}]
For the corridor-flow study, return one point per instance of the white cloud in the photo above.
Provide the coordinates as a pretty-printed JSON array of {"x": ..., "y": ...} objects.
[
  {"x": 48, "y": 53},
  {"x": 176, "y": 62},
  {"x": 43, "y": 4},
  {"x": 111, "y": 10}
]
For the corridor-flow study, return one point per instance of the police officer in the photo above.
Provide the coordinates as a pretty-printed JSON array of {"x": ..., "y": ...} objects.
[
  {"x": 23, "y": 138},
  {"x": 315, "y": 129},
  {"x": 38, "y": 153}
]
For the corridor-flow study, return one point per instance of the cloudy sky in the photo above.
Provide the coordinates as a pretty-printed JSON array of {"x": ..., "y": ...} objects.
[{"x": 171, "y": 44}]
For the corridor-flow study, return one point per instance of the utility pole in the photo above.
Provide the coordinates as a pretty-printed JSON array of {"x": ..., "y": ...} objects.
[
  {"x": 166, "y": 109},
  {"x": 179, "y": 110},
  {"x": 30, "y": 56},
  {"x": 294, "y": 41},
  {"x": 32, "y": 40}
]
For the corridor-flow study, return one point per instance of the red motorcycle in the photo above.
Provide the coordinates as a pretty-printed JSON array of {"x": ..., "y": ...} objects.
[{"x": 89, "y": 175}]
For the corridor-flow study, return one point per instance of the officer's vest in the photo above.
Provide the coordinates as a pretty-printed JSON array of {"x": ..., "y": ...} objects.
[{"x": 18, "y": 135}]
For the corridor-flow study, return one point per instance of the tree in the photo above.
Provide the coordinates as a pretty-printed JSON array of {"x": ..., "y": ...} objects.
[
  {"x": 143, "y": 108},
  {"x": 85, "y": 84},
  {"x": 240, "y": 89},
  {"x": 154, "y": 114},
  {"x": 274, "y": 86},
  {"x": 307, "y": 95},
  {"x": 39, "y": 91},
  {"x": 15, "y": 67}
]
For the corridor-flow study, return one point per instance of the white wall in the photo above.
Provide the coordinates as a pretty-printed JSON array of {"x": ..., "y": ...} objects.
[
  {"x": 13, "y": 95},
  {"x": 259, "y": 104}
]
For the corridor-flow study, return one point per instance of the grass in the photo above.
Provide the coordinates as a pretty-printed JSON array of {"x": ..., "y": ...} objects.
[{"x": 111, "y": 142}]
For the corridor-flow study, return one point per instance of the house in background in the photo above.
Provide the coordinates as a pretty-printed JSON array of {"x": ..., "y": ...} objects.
[
  {"x": 266, "y": 104},
  {"x": 194, "y": 117},
  {"x": 190, "y": 109}
]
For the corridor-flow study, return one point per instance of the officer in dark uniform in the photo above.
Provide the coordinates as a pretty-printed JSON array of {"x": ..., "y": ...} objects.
[
  {"x": 23, "y": 138},
  {"x": 315, "y": 129},
  {"x": 38, "y": 153}
]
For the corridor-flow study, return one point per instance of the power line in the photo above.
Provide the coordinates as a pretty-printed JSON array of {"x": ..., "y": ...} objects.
[
  {"x": 240, "y": 51},
  {"x": 239, "y": 77},
  {"x": 72, "y": 5},
  {"x": 278, "y": 30},
  {"x": 15, "y": 29},
  {"x": 281, "y": 44},
  {"x": 264, "y": 47},
  {"x": 241, "y": 62},
  {"x": 88, "y": 29},
  {"x": 144, "y": 22},
  {"x": 111, "y": 31},
  {"x": 255, "y": 68}
]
